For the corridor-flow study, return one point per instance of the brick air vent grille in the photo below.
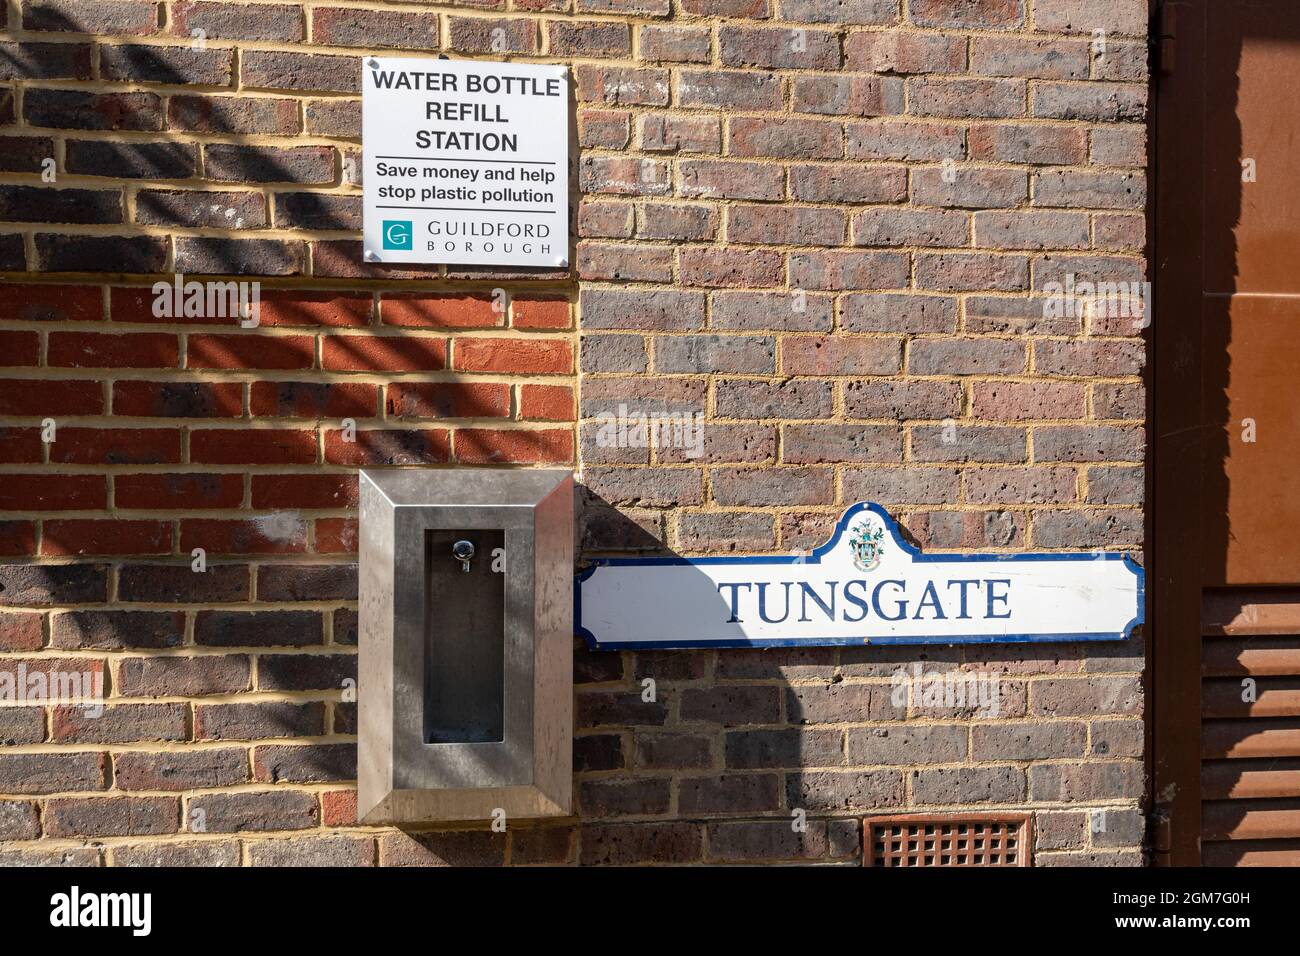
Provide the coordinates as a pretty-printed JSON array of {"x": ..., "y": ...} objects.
[{"x": 947, "y": 841}]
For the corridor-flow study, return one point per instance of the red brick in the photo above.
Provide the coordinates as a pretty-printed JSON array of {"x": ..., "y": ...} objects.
[
  {"x": 442, "y": 848},
  {"x": 621, "y": 86},
  {"x": 136, "y": 304},
  {"x": 365, "y": 353},
  {"x": 426, "y": 310},
  {"x": 448, "y": 400},
  {"x": 232, "y": 114},
  {"x": 52, "y": 492},
  {"x": 729, "y": 89},
  {"x": 179, "y": 583},
  {"x": 478, "y": 35},
  {"x": 485, "y": 446},
  {"x": 546, "y": 402},
  {"x": 1004, "y": 401},
  {"x": 112, "y": 816},
  {"x": 254, "y": 446},
  {"x": 116, "y": 446},
  {"x": 20, "y": 348},
  {"x": 274, "y": 534},
  {"x": 1039, "y": 144},
  {"x": 847, "y": 96},
  {"x": 730, "y": 268},
  {"x": 781, "y": 225},
  {"x": 295, "y": 307},
  {"x": 20, "y": 631},
  {"x": 338, "y": 808},
  {"x": 607, "y": 262},
  {"x": 971, "y": 271},
  {"x": 258, "y": 720},
  {"x": 21, "y": 446},
  {"x": 522, "y": 356},
  {"x": 231, "y": 21},
  {"x": 178, "y": 399},
  {"x": 730, "y": 180},
  {"x": 52, "y": 303},
  {"x": 53, "y": 397},
  {"x": 804, "y": 139},
  {"x": 625, "y": 844},
  {"x": 241, "y": 163},
  {"x": 623, "y": 176},
  {"x": 603, "y": 129},
  {"x": 1088, "y": 357},
  {"x": 678, "y": 222},
  {"x": 896, "y": 52},
  {"x": 342, "y": 258},
  {"x": 539, "y": 313},
  {"x": 53, "y": 773},
  {"x": 50, "y": 584},
  {"x": 675, "y": 133},
  {"x": 674, "y": 44},
  {"x": 121, "y": 723},
  {"x": 603, "y": 220},
  {"x": 835, "y": 271},
  {"x": 968, "y": 14},
  {"x": 343, "y": 26},
  {"x": 280, "y": 809},
  {"x": 966, "y": 97},
  {"x": 840, "y": 355},
  {"x": 313, "y": 399},
  {"x": 304, "y": 491},
  {"x": 336, "y": 536},
  {"x": 17, "y": 538},
  {"x": 110, "y": 536},
  {"x": 388, "y": 447},
  {"x": 100, "y": 350},
  {"x": 778, "y": 49},
  {"x": 188, "y": 491},
  {"x": 180, "y": 770},
  {"x": 250, "y": 350}
]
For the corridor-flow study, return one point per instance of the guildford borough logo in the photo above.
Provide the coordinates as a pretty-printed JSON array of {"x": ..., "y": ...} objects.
[
  {"x": 398, "y": 234},
  {"x": 866, "y": 547}
]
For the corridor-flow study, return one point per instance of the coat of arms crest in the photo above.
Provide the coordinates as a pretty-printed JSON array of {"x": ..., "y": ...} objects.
[{"x": 864, "y": 543}]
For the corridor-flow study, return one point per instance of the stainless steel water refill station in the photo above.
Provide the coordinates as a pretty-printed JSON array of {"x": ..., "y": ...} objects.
[{"x": 466, "y": 657}]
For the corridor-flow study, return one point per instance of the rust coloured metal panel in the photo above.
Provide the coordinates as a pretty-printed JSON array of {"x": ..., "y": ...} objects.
[
  {"x": 943, "y": 840},
  {"x": 1226, "y": 386},
  {"x": 1254, "y": 479}
]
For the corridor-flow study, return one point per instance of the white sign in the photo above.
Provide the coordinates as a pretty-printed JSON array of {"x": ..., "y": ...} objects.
[
  {"x": 866, "y": 585},
  {"x": 465, "y": 162}
]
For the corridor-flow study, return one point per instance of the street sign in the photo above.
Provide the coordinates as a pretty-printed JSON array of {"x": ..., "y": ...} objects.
[
  {"x": 465, "y": 162},
  {"x": 866, "y": 585}
]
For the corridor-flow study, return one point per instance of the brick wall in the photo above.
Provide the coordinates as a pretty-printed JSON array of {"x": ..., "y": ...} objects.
[{"x": 826, "y": 225}]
